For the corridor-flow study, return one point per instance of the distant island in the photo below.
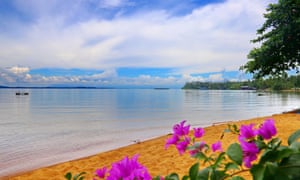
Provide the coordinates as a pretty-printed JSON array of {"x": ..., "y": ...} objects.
[{"x": 276, "y": 84}]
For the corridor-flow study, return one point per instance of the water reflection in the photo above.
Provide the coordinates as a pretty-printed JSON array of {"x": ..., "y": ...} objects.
[{"x": 52, "y": 125}]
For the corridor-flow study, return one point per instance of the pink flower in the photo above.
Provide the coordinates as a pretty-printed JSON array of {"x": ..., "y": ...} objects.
[
  {"x": 182, "y": 146},
  {"x": 267, "y": 129},
  {"x": 198, "y": 132},
  {"x": 101, "y": 172},
  {"x": 247, "y": 131},
  {"x": 128, "y": 169},
  {"x": 172, "y": 140},
  {"x": 250, "y": 151},
  {"x": 217, "y": 146},
  {"x": 180, "y": 129}
]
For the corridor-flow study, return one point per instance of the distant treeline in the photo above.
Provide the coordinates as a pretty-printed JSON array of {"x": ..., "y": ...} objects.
[{"x": 278, "y": 83}]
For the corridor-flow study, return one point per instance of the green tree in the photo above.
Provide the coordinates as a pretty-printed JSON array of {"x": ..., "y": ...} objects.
[{"x": 279, "y": 39}]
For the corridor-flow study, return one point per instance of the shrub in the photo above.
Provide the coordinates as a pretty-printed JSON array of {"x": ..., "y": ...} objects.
[{"x": 257, "y": 144}]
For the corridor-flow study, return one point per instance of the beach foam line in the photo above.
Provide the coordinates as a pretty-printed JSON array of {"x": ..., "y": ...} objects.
[{"x": 152, "y": 153}]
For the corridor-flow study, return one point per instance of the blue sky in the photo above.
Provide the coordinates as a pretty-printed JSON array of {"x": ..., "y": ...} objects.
[{"x": 125, "y": 42}]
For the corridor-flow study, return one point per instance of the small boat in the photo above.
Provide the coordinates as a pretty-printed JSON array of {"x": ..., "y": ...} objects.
[{"x": 22, "y": 93}]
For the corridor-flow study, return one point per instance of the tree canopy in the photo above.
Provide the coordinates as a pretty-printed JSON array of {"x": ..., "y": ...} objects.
[
  {"x": 279, "y": 40},
  {"x": 272, "y": 83}
]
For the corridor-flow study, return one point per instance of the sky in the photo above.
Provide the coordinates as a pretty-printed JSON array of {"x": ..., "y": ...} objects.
[{"x": 126, "y": 43}]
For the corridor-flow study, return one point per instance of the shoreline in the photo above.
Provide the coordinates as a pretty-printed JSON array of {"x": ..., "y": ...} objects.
[
  {"x": 152, "y": 153},
  {"x": 72, "y": 126}
]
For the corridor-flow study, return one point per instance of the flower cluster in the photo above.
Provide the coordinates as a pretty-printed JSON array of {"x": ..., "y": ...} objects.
[
  {"x": 248, "y": 135},
  {"x": 253, "y": 141},
  {"x": 126, "y": 169},
  {"x": 276, "y": 161},
  {"x": 183, "y": 141}
]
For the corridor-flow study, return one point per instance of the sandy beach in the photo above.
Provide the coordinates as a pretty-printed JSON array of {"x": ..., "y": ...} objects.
[{"x": 152, "y": 153}]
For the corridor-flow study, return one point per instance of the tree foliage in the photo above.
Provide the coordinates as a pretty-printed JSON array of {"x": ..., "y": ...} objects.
[
  {"x": 279, "y": 40},
  {"x": 272, "y": 83}
]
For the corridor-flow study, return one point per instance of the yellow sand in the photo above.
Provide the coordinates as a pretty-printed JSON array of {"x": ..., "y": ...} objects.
[{"x": 153, "y": 155}]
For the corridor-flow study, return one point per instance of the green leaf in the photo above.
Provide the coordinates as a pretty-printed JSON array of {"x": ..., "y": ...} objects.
[
  {"x": 204, "y": 174},
  {"x": 194, "y": 171},
  {"x": 68, "y": 176},
  {"x": 183, "y": 178},
  {"x": 232, "y": 166},
  {"x": 270, "y": 170},
  {"x": 201, "y": 156},
  {"x": 273, "y": 172},
  {"x": 257, "y": 172},
  {"x": 235, "y": 128},
  {"x": 79, "y": 176},
  {"x": 291, "y": 165},
  {"x": 172, "y": 176},
  {"x": 219, "y": 159},
  {"x": 274, "y": 143},
  {"x": 268, "y": 155},
  {"x": 283, "y": 153},
  {"x": 237, "y": 178},
  {"x": 295, "y": 146},
  {"x": 235, "y": 153},
  {"x": 156, "y": 178},
  {"x": 275, "y": 156},
  {"x": 294, "y": 137},
  {"x": 293, "y": 159},
  {"x": 217, "y": 175},
  {"x": 260, "y": 143}
]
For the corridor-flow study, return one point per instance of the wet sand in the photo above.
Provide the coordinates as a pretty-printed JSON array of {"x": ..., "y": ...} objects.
[{"x": 152, "y": 153}]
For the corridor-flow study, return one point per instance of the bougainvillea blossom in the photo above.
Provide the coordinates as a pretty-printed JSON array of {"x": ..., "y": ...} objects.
[
  {"x": 248, "y": 131},
  {"x": 181, "y": 129},
  {"x": 267, "y": 129}
]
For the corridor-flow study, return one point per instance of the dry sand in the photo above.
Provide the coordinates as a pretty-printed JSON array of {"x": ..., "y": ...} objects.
[{"x": 152, "y": 153}]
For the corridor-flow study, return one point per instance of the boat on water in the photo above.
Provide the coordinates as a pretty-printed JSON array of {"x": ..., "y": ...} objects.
[{"x": 22, "y": 93}]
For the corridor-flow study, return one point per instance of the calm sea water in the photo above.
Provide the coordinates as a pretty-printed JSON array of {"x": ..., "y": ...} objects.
[{"x": 55, "y": 125}]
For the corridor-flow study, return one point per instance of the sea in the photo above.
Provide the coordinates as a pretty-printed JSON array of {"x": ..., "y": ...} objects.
[{"x": 51, "y": 126}]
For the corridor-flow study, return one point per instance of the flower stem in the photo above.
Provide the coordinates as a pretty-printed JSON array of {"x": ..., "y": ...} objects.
[
  {"x": 235, "y": 173},
  {"x": 291, "y": 166}
]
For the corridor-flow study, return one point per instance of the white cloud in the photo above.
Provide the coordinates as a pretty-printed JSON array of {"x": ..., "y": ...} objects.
[
  {"x": 19, "y": 76},
  {"x": 18, "y": 70},
  {"x": 14, "y": 74},
  {"x": 216, "y": 77},
  {"x": 209, "y": 39},
  {"x": 189, "y": 78},
  {"x": 112, "y": 3}
]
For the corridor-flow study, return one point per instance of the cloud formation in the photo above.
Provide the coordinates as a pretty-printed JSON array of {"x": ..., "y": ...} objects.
[
  {"x": 114, "y": 34},
  {"x": 22, "y": 76}
]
